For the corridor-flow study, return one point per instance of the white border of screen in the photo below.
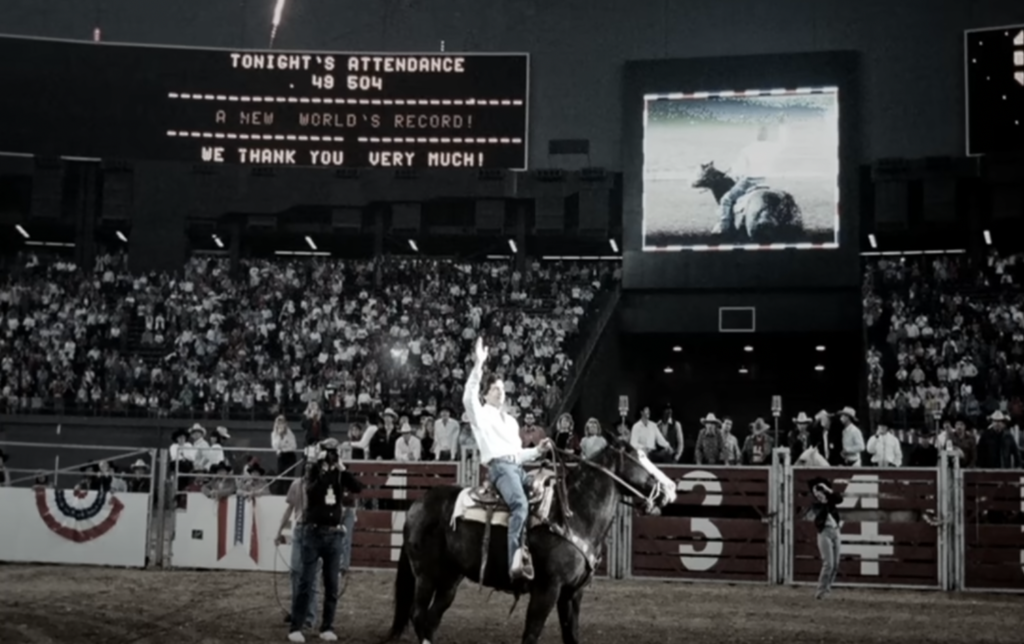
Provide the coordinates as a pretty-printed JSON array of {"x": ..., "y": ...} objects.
[{"x": 726, "y": 247}]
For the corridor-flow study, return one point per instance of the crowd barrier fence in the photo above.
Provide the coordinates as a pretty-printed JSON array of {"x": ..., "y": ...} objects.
[{"x": 939, "y": 528}]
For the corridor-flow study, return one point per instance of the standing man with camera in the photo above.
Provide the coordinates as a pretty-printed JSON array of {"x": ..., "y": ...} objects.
[{"x": 323, "y": 537}]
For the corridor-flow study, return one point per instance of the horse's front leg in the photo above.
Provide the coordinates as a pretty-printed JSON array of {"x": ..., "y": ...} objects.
[
  {"x": 569, "y": 614},
  {"x": 542, "y": 600}
]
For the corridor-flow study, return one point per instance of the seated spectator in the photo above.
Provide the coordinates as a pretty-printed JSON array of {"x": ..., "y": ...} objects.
[
  {"x": 407, "y": 448},
  {"x": 593, "y": 442}
]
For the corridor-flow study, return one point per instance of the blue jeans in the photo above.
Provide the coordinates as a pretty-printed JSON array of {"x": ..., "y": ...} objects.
[
  {"x": 296, "y": 565},
  {"x": 349, "y": 521},
  {"x": 318, "y": 544},
  {"x": 727, "y": 216},
  {"x": 510, "y": 481},
  {"x": 829, "y": 545}
]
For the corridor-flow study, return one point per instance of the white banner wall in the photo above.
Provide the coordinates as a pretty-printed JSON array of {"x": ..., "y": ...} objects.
[
  {"x": 234, "y": 533},
  {"x": 40, "y": 525}
]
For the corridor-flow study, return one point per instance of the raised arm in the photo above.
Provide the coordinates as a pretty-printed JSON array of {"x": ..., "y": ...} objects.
[{"x": 471, "y": 393}]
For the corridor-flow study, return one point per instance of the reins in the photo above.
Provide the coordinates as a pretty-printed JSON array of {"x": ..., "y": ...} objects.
[{"x": 570, "y": 456}]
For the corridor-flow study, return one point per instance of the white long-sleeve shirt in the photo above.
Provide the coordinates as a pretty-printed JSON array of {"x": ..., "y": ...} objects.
[
  {"x": 496, "y": 432},
  {"x": 283, "y": 442},
  {"x": 885, "y": 450},
  {"x": 196, "y": 452},
  {"x": 646, "y": 436},
  {"x": 446, "y": 437},
  {"x": 408, "y": 448},
  {"x": 853, "y": 443}
]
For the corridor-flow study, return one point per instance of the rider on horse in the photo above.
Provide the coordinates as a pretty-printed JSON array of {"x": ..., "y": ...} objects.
[
  {"x": 755, "y": 162},
  {"x": 501, "y": 450}
]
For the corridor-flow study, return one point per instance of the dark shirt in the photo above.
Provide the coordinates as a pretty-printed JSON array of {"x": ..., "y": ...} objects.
[
  {"x": 319, "y": 486},
  {"x": 820, "y": 511},
  {"x": 317, "y": 429}
]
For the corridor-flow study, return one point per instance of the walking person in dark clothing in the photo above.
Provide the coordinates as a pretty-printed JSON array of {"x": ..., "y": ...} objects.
[
  {"x": 825, "y": 514},
  {"x": 323, "y": 537}
]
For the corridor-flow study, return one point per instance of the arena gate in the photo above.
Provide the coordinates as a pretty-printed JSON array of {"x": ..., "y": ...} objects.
[
  {"x": 718, "y": 529},
  {"x": 894, "y": 529},
  {"x": 990, "y": 533}
]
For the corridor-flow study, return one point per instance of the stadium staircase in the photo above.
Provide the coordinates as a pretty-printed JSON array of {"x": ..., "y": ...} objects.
[
  {"x": 150, "y": 354},
  {"x": 574, "y": 384}
]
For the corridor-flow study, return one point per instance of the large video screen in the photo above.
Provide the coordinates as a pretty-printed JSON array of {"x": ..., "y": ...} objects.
[{"x": 741, "y": 170}]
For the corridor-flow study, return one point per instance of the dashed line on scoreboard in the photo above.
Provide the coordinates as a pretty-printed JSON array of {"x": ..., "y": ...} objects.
[
  {"x": 185, "y": 134},
  {"x": 441, "y": 139},
  {"x": 324, "y": 100}
]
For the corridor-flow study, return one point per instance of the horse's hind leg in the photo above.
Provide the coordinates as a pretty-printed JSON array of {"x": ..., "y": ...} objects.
[
  {"x": 446, "y": 589},
  {"x": 421, "y": 608}
]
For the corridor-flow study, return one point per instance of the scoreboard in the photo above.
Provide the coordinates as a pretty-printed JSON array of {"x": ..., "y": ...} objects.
[
  {"x": 276, "y": 108},
  {"x": 994, "y": 75}
]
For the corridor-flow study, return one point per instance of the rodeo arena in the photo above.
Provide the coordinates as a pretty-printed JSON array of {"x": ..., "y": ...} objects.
[{"x": 579, "y": 322}]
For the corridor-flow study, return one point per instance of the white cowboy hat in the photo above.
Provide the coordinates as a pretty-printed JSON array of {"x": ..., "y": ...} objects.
[
  {"x": 803, "y": 418},
  {"x": 822, "y": 415},
  {"x": 847, "y": 411},
  {"x": 390, "y": 412},
  {"x": 140, "y": 465},
  {"x": 223, "y": 433},
  {"x": 711, "y": 418},
  {"x": 405, "y": 429},
  {"x": 197, "y": 428},
  {"x": 759, "y": 427},
  {"x": 998, "y": 417}
]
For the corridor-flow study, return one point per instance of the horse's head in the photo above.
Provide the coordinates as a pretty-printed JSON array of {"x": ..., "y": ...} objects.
[
  {"x": 708, "y": 176},
  {"x": 636, "y": 475},
  {"x": 811, "y": 457}
]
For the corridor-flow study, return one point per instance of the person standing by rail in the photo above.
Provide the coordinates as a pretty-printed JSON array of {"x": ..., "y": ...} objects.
[{"x": 825, "y": 514}]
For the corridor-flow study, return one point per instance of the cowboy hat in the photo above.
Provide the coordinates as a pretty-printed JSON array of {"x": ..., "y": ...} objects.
[
  {"x": 405, "y": 429},
  {"x": 254, "y": 467},
  {"x": 998, "y": 417},
  {"x": 819, "y": 480},
  {"x": 803, "y": 418},
  {"x": 848, "y": 412},
  {"x": 759, "y": 427},
  {"x": 223, "y": 466},
  {"x": 140, "y": 465},
  {"x": 179, "y": 433},
  {"x": 822, "y": 416},
  {"x": 711, "y": 418},
  {"x": 223, "y": 433},
  {"x": 197, "y": 428},
  {"x": 389, "y": 412}
]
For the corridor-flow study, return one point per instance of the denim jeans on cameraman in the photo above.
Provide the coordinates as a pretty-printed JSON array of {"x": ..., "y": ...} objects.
[
  {"x": 349, "y": 521},
  {"x": 296, "y": 576},
  {"x": 319, "y": 544},
  {"x": 509, "y": 478}
]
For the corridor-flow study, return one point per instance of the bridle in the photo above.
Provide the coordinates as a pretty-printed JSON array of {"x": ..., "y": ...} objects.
[{"x": 649, "y": 501}]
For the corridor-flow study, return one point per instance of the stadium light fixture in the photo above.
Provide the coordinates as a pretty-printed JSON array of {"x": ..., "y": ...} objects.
[
  {"x": 988, "y": 238},
  {"x": 872, "y": 240},
  {"x": 309, "y": 242},
  {"x": 748, "y": 349},
  {"x": 512, "y": 246},
  {"x": 819, "y": 367},
  {"x": 615, "y": 246},
  {"x": 21, "y": 231},
  {"x": 412, "y": 244},
  {"x": 121, "y": 236},
  {"x": 819, "y": 348},
  {"x": 668, "y": 369},
  {"x": 677, "y": 349},
  {"x": 216, "y": 240},
  {"x": 743, "y": 370}
]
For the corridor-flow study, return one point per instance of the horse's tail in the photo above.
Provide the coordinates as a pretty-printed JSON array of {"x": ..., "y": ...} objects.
[{"x": 405, "y": 594}]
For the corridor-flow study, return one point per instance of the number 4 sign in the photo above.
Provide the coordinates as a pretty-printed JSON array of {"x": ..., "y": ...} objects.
[{"x": 862, "y": 490}]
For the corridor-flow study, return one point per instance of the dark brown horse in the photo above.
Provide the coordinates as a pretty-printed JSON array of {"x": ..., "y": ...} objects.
[{"x": 437, "y": 556}]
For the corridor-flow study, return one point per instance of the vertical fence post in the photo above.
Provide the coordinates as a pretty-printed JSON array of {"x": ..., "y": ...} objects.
[
  {"x": 779, "y": 498},
  {"x": 942, "y": 506},
  {"x": 787, "y": 518},
  {"x": 161, "y": 487},
  {"x": 959, "y": 528},
  {"x": 154, "y": 514}
]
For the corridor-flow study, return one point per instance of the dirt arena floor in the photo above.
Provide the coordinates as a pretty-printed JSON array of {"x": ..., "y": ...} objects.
[{"x": 103, "y": 606}]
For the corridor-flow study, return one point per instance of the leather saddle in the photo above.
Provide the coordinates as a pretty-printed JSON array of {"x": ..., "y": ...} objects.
[{"x": 538, "y": 485}]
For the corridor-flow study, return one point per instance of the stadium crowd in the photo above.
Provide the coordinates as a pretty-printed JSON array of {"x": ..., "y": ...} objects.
[
  {"x": 356, "y": 336},
  {"x": 945, "y": 353}
]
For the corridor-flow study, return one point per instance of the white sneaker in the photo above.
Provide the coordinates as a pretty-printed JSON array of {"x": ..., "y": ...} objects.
[
  {"x": 329, "y": 636},
  {"x": 296, "y": 636}
]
